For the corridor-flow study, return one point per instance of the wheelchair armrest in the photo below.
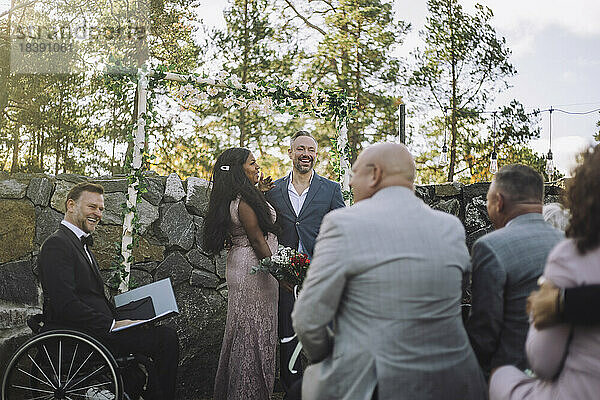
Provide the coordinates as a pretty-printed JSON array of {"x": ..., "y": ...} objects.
[{"x": 36, "y": 323}]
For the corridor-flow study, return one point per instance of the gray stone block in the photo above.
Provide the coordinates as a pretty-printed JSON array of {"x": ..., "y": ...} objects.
[
  {"x": 47, "y": 221},
  {"x": 40, "y": 191},
  {"x": 12, "y": 189},
  {"x": 199, "y": 223},
  {"x": 200, "y": 261},
  {"x": 18, "y": 284},
  {"x": 155, "y": 189},
  {"x": 200, "y": 324},
  {"x": 72, "y": 178},
  {"x": 10, "y": 344},
  {"x": 425, "y": 193},
  {"x": 451, "y": 206},
  {"x": 17, "y": 229},
  {"x": 61, "y": 190},
  {"x": 173, "y": 189},
  {"x": 176, "y": 267},
  {"x": 148, "y": 213},
  {"x": 11, "y": 318},
  {"x": 205, "y": 279},
  {"x": 476, "y": 216},
  {"x": 198, "y": 194},
  {"x": 221, "y": 263},
  {"x": 475, "y": 190},
  {"x": 448, "y": 189},
  {"x": 113, "y": 208},
  {"x": 176, "y": 226},
  {"x": 149, "y": 267},
  {"x": 112, "y": 185},
  {"x": 139, "y": 278}
]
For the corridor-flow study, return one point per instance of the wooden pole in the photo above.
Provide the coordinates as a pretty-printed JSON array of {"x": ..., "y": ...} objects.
[{"x": 342, "y": 142}]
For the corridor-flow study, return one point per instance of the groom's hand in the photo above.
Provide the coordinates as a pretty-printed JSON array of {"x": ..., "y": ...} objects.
[
  {"x": 265, "y": 184},
  {"x": 124, "y": 322}
]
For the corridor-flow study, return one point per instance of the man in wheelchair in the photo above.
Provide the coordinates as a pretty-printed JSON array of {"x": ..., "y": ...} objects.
[{"x": 74, "y": 295}]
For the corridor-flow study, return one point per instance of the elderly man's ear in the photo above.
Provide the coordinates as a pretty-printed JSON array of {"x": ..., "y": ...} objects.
[{"x": 376, "y": 176}]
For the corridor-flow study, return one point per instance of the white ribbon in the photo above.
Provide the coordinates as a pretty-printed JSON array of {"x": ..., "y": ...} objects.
[{"x": 298, "y": 348}]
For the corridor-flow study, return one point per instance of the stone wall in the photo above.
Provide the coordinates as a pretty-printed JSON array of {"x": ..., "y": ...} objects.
[{"x": 171, "y": 217}]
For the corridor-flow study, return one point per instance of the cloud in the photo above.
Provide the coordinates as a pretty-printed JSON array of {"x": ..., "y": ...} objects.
[{"x": 577, "y": 16}]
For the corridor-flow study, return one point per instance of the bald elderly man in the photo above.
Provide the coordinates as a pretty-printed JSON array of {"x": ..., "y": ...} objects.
[{"x": 387, "y": 271}]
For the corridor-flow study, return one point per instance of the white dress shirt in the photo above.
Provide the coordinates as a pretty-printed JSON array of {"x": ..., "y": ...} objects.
[
  {"x": 79, "y": 233},
  {"x": 297, "y": 201}
]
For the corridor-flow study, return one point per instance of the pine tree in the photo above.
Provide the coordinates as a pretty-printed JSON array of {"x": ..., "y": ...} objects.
[
  {"x": 463, "y": 65},
  {"x": 355, "y": 42}
]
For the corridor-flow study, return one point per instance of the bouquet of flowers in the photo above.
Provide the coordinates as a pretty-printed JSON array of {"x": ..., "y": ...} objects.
[{"x": 286, "y": 265}]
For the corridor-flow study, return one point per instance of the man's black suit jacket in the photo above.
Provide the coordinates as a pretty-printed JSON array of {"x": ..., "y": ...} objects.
[
  {"x": 323, "y": 196},
  {"x": 73, "y": 289}
]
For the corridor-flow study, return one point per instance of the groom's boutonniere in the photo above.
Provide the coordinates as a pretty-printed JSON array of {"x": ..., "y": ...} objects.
[{"x": 286, "y": 265}]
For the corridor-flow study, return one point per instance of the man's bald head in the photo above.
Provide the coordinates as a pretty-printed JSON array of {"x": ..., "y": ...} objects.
[{"x": 380, "y": 166}]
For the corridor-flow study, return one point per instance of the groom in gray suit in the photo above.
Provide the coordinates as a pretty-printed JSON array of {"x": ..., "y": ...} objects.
[
  {"x": 388, "y": 272},
  {"x": 506, "y": 266},
  {"x": 301, "y": 199}
]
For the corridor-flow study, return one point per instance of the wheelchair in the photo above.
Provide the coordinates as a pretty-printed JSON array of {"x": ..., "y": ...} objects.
[{"x": 71, "y": 365}]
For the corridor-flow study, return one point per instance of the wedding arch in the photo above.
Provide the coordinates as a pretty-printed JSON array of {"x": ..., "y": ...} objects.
[{"x": 268, "y": 96}]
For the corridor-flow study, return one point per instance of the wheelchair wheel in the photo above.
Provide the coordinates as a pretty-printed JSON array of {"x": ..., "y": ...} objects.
[{"x": 64, "y": 365}]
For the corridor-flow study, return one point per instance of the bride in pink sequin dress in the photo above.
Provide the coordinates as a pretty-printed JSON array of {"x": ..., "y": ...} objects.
[{"x": 240, "y": 219}]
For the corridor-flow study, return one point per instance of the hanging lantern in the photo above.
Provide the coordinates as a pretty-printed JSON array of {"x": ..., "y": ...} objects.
[
  {"x": 549, "y": 164},
  {"x": 444, "y": 155},
  {"x": 494, "y": 157},
  {"x": 494, "y": 162}
]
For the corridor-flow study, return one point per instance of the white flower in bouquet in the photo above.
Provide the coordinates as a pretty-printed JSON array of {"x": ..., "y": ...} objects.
[
  {"x": 303, "y": 86},
  {"x": 253, "y": 105},
  {"x": 203, "y": 96},
  {"x": 241, "y": 102},
  {"x": 185, "y": 90},
  {"x": 314, "y": 97},
  {"x": 213, "y": 91},
  {"x": 272, "y": 89},
  {"x": 235, "y": 81},
  {"x": 193, "y": 91},
  {"x": 228, "y": 101},
  {"x": 266, "y": 104},
  {"x": 251, "y": 86},
  {"x": 210, "y": 81},
  {"x": 221, "y": 75}
]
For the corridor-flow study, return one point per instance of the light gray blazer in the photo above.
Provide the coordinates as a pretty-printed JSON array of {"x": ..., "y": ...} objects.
[{"x": 388, "y": 272}]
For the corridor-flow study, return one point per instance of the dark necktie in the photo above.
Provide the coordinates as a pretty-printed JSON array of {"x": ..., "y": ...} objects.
[{"x": 87, "y": 240}]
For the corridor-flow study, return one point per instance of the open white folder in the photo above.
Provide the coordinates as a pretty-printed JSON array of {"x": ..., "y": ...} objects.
[{"x": 163, "y": 301}]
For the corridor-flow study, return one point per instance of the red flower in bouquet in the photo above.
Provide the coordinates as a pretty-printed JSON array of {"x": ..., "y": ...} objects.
[{"x": 286, "y": 265}]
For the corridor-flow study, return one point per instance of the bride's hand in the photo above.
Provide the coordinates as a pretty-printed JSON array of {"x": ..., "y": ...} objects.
[{"x": 265, "y": 184}]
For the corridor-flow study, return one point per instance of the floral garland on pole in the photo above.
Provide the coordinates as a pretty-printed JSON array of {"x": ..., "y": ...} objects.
[{"x": 272, "y": 95}]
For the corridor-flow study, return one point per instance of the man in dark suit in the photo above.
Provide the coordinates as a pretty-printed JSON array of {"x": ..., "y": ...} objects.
[
  {"x": 506, "y": 266},
  {"x": 301, "y": 199},
  {"x": 74, "y": 292}
]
